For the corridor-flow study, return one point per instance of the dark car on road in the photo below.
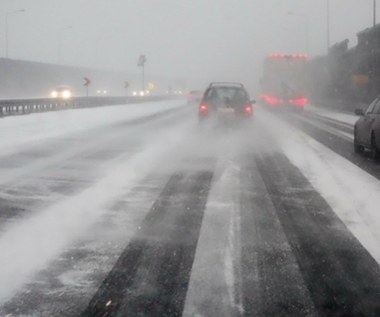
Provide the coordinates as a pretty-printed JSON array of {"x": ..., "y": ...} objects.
[
  {"x": 225, "y": 102},
  {"x": 367, "y": 129}
]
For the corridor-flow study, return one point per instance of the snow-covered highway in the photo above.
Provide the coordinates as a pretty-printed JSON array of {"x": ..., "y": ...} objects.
[{"x": 136, "y": 211}]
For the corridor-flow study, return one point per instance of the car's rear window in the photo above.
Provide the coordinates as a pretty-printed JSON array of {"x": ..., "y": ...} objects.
[{"x": 227, "y": 95}]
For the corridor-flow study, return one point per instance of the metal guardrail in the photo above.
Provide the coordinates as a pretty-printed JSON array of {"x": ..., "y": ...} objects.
[{"x": 10, "y": 107}]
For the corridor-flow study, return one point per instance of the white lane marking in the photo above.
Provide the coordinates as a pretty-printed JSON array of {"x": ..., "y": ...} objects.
[{"x": 212, "y": 288}]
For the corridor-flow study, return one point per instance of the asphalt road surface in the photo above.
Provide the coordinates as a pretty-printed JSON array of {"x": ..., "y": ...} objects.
[{"x": 156, "y": 216}]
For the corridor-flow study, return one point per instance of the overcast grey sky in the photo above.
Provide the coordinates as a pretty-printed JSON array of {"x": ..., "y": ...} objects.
[{"x": 211, "y": 39}]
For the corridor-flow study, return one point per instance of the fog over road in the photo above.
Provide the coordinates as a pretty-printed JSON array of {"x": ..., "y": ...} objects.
[{"x": 136, "y": 210}]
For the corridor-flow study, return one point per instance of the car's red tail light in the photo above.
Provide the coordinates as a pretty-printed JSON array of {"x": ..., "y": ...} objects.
[
  {"x": 271, "y": 99},
  {"x": 274, "y": 100},
  {"x": 299, "y": 101},
  {"x": 203, "y": 108},
  {"x": 248, "y": 109}
]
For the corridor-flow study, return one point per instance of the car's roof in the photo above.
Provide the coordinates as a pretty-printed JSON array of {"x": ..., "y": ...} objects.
[
  {"x": 226, "y": 84},
  {"x": 226, "y": 87}
]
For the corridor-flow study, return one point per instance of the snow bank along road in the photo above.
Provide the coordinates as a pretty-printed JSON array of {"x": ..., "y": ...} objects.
[{"x": 136, "y": 211}]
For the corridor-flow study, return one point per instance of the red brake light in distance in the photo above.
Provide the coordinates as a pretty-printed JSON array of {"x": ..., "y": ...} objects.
[
  {"x": 203, "y": 108},
  {"x": 296, "y": 56},
  {"x": 248, "y": 109},
  {"x": 272, "y": 100},
  {"x": 299, "y": 101}
]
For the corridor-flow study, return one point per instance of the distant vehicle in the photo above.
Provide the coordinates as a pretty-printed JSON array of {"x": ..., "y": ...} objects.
[
  {"x": 194, "y": 96},
  {"x": 224, "y": 103},
  {"x": 367, "y": 129},
  {"x": 62, "y": 92},
  {"x": 283, "y": 81},
  {"x": 102, "y": 92}
]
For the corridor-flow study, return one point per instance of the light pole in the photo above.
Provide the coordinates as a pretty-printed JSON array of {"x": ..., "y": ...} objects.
[
  {"x": 374, "y": 13},
  {"x": 328, "y": 25},
  {"x": 374, "y": 67},
  {"x": 7, "y": 28},
  {"x": 141, "y": 63},
  {"x": 59, "y": 45}
]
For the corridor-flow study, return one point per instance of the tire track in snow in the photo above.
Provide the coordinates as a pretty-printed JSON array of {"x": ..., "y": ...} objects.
[
  {"x": 152, "y": 274},
  {"x": 342, "y": 277}
]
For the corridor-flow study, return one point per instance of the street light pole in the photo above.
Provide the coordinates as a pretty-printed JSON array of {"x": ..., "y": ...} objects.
[
  {"x": 141, "y": 63},
  {"x": 7, "y": 28},
  {"x": 328, "y": 26},
  {"x": 59, "y": 48},
  {"x": 374, "y": 48},
  {"x": 374, "y": 13},
  {"x": 143, "y": 78}
]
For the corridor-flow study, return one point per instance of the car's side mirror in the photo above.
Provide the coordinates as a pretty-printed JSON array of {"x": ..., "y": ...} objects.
[
  {"x": 253, "y": 101},
  {"x": 359, "y": 112}
]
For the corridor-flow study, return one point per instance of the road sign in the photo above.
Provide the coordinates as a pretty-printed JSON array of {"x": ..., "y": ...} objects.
[
  {"x": 87, "y": 82},
  {"x": 142, "y": 60}
]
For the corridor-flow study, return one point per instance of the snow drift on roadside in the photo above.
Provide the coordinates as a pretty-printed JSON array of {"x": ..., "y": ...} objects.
[
  {"x": 21, "y": 131},
  {"x": 350, "y": 191}
]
